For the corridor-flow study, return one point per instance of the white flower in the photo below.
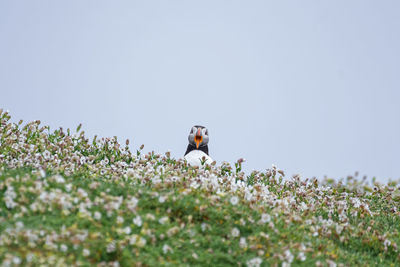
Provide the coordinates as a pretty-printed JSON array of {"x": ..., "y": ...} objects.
[
  {"x": 120, "y": 220},
  {"x": 242, "y": 242},
  {"x": 97, "y": 215},
  {"x": 288, "y": 256},
  {"x": 162, "y": 199},
  {"x": 138, "y": 221},
  {"x": 19, "y": 225},
  {"x": 85, "y": 252},
  {"x": 141, "y": 242},
  {"x": 163, "y": 220},
  {"x": 331, "y": 263},
  {"x": 235, "y": 232},
  {"x": 255, "y": 262},
  {"x": 63, "y": 248},
  {"x": 16, "y": 260},
  {"x": 127, "y": 230},
  {"x": 30, "y": 257},
  {"x": 265, "y": 217},
  {"x": 166, "y": 249},
  {"x": 68, "y": 187},
  {"x": 194, "y": 255},
  {"x": 59, "y": 179},
  {"x": 301, "y": 256},
  {"x": 234, "y": 200},
  {"x": 111, "y": 247},
  {"x": 132, "y": 203}
]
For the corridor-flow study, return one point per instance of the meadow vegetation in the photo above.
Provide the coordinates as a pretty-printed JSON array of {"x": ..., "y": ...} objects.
[{"x": 66, "y": 200}]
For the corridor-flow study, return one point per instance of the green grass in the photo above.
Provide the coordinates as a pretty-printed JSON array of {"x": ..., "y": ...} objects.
[{"x": 54, "y": 185}]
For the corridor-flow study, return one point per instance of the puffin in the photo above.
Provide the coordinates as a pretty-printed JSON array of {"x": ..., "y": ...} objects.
[{"x": 198, "y": 146}]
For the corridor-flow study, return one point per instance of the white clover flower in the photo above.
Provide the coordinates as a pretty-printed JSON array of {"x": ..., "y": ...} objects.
[
  {"x": 234, "y": 200},
  {"x": 137, "y": 221},
  {"x": 255, "y": 262},
  {"x": 195, "y": 256},
  {"x": 235, "y": 232}
]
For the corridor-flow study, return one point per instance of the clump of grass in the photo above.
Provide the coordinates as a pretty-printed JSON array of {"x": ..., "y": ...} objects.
[{"x": 65, "y": 200}]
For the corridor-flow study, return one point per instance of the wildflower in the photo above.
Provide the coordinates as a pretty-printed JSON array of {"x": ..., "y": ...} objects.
[
  {"x": 127, "y": 230},
  {"x": 120, "y": 220},
  {"x": 16, "y": 260},
  {"x": 150, "y": 216},
  {"x": 111, "y": 247},
  {"x": 63, "y": 248},
  {"x": 288, "y": 256},
  {"x": 85, "y": 252},
  {"x": 301, "y": 256},
  {"x": 242, "y": 242},
  {"x": 30, "y": 257},
  {"x": 195, "y": 256},
  {"x": 331, "y": 263},
  {"x": 255, "y": 262},
  {"x": 19, "y": 225},
  {"x": 163, "y": 220},
  {"x": 265, "y": 218},
  {"x": 235, "y": 232},
  {"x": 138, "y": 221},
  {"x": 234, "y": 200},
  {"x": 68, "y": 187},
  {"x": 166, "y": 249},
  {"x": 141, "y": 242},
  {"x": 172, "y": 231},
  {"x": 132, "y": 203},
  {"x": 97, "y": 215},
  {"x": 162, "y": 199}
]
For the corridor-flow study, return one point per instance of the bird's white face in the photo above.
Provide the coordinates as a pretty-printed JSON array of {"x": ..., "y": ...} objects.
[{"x": 198, "y": 136}]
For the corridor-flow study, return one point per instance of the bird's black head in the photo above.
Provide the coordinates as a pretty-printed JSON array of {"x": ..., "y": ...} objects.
[
  {"x": 198, "y": 136},
  {"x": 198, "y": 139}
]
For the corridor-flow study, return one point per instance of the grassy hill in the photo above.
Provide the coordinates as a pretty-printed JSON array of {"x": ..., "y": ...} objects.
[{"x": 68, "y": 201}]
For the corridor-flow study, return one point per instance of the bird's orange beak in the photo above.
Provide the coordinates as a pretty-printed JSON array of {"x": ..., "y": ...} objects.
[{"x": 198, "y": 138}]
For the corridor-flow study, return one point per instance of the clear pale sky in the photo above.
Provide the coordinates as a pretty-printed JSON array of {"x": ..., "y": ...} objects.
[{"x": 311, "y": 86}]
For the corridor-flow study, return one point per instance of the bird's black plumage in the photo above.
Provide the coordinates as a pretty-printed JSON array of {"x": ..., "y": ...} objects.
[{"x": 192, "y": 147}]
